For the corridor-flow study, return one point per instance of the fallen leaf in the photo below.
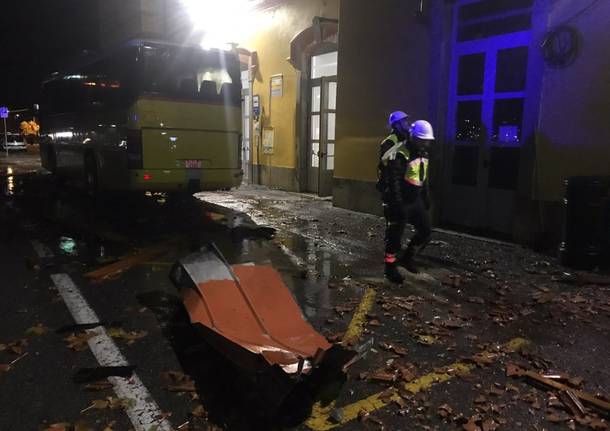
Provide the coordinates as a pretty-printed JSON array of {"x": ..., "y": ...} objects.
[
  {"x": 63, "y": 426},
  {"x": 37, "y": 330},
  {"x": 445, "y": 411},
  {"x": 400, "y": 350},
  {"x": 82, "y": 426},
  {"x": 407, "y": 373},
  {"x": 453, "y": 323},
  {"x": 471, "y": 425},
  {"x": 489, "y": 425},
  {"x": 98, "y": 386},
  {"x": 480, "y": 400},
  {"x": 374, "y": 322},
  {"x": 199, "y": 411},
  {"x": 109, "y": 426},
  {"x": 100, "y": 404},
  {"x": 484, "y": 358},
  {"x": 576, "y": 381},
  {"x": 4, "y": 368},
  {"x": 554, "y": 417},
  {"x": 174, "y": 376},
  {"x": 335, "y": 337},
  {"x": 382, "y": 376},
  {"x": 128, "y": 403},
  {"x": 341, "y": 309},
  {"x": 363, "y": 415},
  {"x": 400, "y": 402},
  {"x": 497, "y": 391},
  {"x": 130, "y": 336},
  {"x": 513, "y": 370},
  {"x": 388, "y": 395},
  {"x": 393, "y": 348},
  {"x": 183, "y": 387},
  {"x": 111, "y": 403},
  {"x": 3, "y": 347},
  {"x": 598, "y": 424},
  {"x": 78, "y": 341},
  {"x": 17, "y": 346},
  {"x": 426, "y": 340}
]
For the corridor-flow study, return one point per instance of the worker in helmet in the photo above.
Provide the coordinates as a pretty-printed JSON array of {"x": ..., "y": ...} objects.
[{"x": 403, "y": 183}]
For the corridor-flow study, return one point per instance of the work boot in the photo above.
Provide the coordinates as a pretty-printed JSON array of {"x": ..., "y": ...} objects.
[
  {"x": 406, "y": 260},
  {"x": 392, "y": 274},
  {"x": 410, "y": 266}
]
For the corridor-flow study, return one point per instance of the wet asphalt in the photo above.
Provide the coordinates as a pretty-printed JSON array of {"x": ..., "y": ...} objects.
[{"x": 327, "y": 257}]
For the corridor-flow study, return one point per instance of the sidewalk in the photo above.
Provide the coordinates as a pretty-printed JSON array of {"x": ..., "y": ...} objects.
[{"x": 478, "y": 307}]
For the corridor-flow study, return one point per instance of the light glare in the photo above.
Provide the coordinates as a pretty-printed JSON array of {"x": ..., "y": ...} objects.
[{"x": 224, "y": 22}]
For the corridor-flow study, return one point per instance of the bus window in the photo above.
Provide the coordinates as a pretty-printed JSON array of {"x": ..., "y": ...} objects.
[
  {"x": 188, "y": 73},
  {"x": 217, "y": 76}
]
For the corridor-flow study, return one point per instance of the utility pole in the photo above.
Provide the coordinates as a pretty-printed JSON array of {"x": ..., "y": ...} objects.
[{"x": 4, "y": 115}]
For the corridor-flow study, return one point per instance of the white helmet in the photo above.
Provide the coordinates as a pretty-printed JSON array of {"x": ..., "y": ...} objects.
[{"x": 423, "y": 130}]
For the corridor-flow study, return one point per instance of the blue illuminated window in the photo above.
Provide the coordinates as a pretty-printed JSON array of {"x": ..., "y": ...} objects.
[{"x": 493, "y": 17}]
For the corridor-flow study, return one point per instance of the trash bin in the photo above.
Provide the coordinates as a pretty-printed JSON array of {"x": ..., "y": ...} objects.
[{"x": 586, "y": 226}]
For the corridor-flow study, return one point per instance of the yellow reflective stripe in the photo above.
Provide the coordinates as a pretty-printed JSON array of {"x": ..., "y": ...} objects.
[
  {"x": 402, "y": 150},
  {"x": 412, "y": 175},
  {"x": 392, "y": 138}
]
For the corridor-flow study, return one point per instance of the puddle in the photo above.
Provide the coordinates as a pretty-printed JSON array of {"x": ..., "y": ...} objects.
[{"x": 97, "y": 231}]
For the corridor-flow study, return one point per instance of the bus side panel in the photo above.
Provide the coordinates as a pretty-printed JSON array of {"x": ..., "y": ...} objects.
[
  {"x": 173, "y": 114},
  {"x": 175, "y": 149}
]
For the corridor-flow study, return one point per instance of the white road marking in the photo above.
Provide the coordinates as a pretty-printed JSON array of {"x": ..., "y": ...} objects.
[
  {"x": 142, "y": 410},
  {"x": 42, "y": 250}
]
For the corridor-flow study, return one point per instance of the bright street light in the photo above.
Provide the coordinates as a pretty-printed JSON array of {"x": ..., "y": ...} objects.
[{"x": 223, "y": 22}]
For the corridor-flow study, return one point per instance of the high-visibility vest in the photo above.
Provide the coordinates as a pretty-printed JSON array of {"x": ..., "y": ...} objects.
[{"x": 417, "y": 169}]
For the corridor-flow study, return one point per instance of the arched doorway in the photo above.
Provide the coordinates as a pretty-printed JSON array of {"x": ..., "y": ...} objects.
[{"x": 314, "y": 52}]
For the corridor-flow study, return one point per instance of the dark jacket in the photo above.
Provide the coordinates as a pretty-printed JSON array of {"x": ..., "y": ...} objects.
[{"x": 394, "y": 188}]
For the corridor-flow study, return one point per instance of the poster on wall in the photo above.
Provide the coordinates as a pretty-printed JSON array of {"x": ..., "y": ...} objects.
[
  {"x": 268, "y": 137},
  {"x": 277, "y": 86},
  {"x": 256, "y": 106}
]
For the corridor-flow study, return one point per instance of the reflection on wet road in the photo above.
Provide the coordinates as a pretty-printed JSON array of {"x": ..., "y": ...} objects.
[{"x": 98, "y": 230}]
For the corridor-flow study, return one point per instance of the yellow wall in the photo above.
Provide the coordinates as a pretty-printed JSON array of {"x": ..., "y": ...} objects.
[
  {"x": 574, "y": 126},
  {"x": 272, "y": 44},
  {"x": 383, "y": 66}
]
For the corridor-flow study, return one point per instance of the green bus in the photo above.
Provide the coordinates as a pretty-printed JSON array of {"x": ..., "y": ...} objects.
[{"x": 151, "y": 117}]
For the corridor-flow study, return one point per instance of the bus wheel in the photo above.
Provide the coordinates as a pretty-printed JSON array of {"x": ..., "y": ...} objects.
[{"x": 90, "y": 174}]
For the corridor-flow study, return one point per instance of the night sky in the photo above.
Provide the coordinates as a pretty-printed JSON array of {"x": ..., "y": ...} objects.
[{"x": 39, "y": 37}]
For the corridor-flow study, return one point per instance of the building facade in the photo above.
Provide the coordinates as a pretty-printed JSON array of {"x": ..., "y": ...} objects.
[
  {"x": 292, "y": 83},
  {"x": 516, "y": 90}
]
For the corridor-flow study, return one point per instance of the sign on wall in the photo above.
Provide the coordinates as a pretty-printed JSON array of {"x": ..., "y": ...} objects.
[
  {"x": 277, "y": 86},
  {"x": 268, "y": 138},
  {"x": 256, "y": 106}
]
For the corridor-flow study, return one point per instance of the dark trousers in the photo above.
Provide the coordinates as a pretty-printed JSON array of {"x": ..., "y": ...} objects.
[{"x": 397, "y": 218}]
